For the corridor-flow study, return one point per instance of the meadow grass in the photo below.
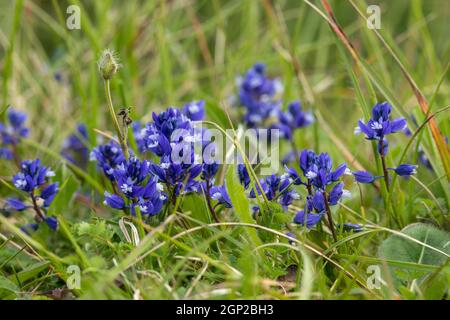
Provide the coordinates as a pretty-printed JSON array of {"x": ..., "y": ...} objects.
[{"x": 172, "y": 52}]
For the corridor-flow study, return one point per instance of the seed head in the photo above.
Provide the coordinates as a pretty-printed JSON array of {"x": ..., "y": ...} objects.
[{"x": 108, "y": 64}]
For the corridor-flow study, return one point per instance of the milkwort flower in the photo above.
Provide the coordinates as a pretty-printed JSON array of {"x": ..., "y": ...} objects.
[
  {"x": 12, "y": 132},
  {"x": 323, "y": 185},
  {"x": 34, "y": 179},
  {"x": 381, "y": 125},
  {"x": 258, "y": 95},
  {"x": 220, "y": 194},
  {"x": 108, "y": 157},
  {"x": 171, "y": 136},
  {"x": 377, "y": 128},
  {"x": 277, "y": 188},
  {"x": 137, "y": 188},
  {"x": 75, "y": 147},
  {"x": 292, "y": 119}
]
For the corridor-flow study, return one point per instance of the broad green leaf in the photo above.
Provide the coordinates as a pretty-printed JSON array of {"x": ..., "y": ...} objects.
[{"x": 402, "y": 249}]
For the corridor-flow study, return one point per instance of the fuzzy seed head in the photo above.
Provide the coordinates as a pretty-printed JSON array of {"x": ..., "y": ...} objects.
[{"x": 108, "y": 64}]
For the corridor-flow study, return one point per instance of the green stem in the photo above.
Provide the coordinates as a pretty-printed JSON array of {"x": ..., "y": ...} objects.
[
  {"x": 140, "y": 223},
  {"x": 120, "y": 135},
  {"x": 383, "y": 162},
  {"x": 330, "y": 218}
]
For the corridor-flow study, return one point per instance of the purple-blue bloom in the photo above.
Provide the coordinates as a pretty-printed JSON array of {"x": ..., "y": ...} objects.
[
  {"x": 136, "y": 184},
  {"x": 32, "y": 175},
  {"x": 75, "y": 147},
  {"x": 317, "y": 169},
  {"x": 405, "y": 169},
  {"x": 220, "y": 194},
  {"x": 11, "y": 133},
  {"x": 293, "y": 119},
  {"x": 352, "y": 227},
  {"x": 16, "y": 204},
  {"x": 364, "y": 177},
  {"x": 195, "y": 110},
  {"x": 257, "y": 94},
  {"x": 310, "y": 219},
  {"x": 52, "y": 223},
  {"x": 380, "y": 125},
  {"x": 108, "y": 157},
  {"x": 33, "y": 178}
]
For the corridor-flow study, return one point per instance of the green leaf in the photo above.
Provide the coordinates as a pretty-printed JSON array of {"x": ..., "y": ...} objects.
[
  {"x": 402, "y": 249},
  {"x": 7, "y": 287},
  {"x": 29, "y": 272},
  {"x": 240, "y": 202}
]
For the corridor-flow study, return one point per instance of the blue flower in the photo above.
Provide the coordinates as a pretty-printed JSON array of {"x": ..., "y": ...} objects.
[
  {"x": 114, "y": 201},
  {"x": 33, "y": 178},
  {"x": 153, "y": 140},
  {"x": 32, "y": 175},
  {"x": 108, "y": 157},
  {"x": 380, "y": 125},
  {"x": 318, "y": 169},
  {"x": 220, "y": 194},
  {"x": 244, "y": 177},
  {"x": 364, "y": 177},
  {"x": 16, "y": 204},
  {"x": 352, "y": 227},
  {"x": 52, "y": 223},
  {"x": 257, "y": 94},
  {"x": 170, "y": 120},
  {"x": 75, "y": 147},
  {"x": 11, "y": 133},
  {"x": 288, "y": 197},
  {"x": 209, "y": 171},
  {"x": 310, "y": 219},
  {"x": 49, "y": 193},
  {"x": 405, "y": 169},
  {"x": 293, "y": 119},
  {"x": 195, "y": 110},
  {"x": 336, "y": 193},
  {"x": 136, "y": 184},
  {"x": 6, "y": 153},
  {"x": 177, "y": 175},
  {"x": 275, "y": 187},
  {"x": 129, "y": 176}
]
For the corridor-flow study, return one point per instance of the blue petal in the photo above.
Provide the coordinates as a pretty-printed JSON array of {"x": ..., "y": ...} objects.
[
  {"x": 52, "y": 222},
  {"x": 364, "y": 177},
  {"x": 311, "y": 219},
  {"x": 16, "y": 204}
]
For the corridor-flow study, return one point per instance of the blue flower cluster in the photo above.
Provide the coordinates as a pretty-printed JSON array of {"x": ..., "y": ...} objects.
[
  {"x": 75, "y": 147},
  {"x": 170, "y": 137},
  {"x": 259, "y": 95},
  {"x": 108, "y": 157},
  {"x": 12, "y": 132},
  {"x": 292, "y": 119},
  {"x": 33, "y": 179},
  {"x": 322, "y": 183},
  {"x": 137, "y": 188}
]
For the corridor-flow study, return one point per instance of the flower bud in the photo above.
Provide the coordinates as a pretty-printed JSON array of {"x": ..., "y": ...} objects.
[{"x": 108, "y": 64}]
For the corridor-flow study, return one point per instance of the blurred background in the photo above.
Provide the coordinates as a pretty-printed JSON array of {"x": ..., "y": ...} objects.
[{"x": 175, "y": 51}]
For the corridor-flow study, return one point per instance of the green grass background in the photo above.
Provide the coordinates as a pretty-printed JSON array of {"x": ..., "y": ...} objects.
[{"x": 176, "y": 51}]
